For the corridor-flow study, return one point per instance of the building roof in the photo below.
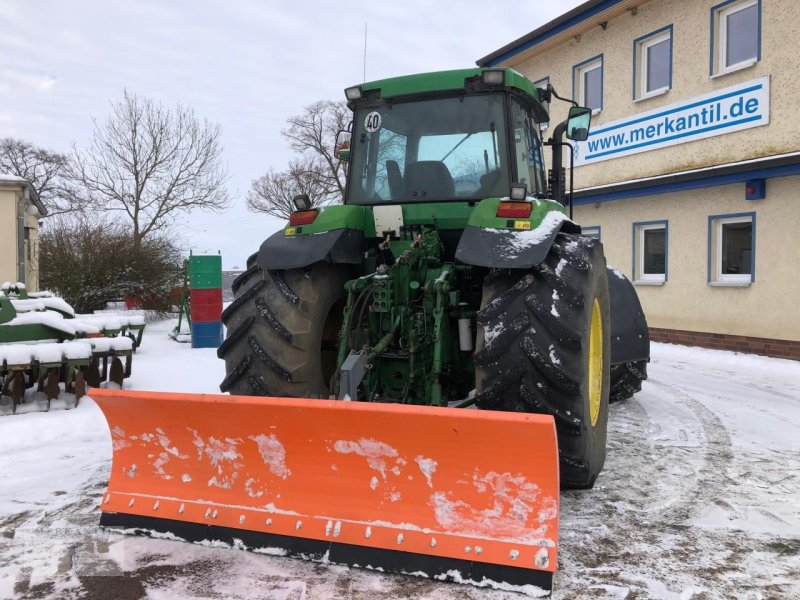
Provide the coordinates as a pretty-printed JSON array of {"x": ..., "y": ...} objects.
[
  {"x": 7, "y": 179},
  {"x": 570, "y": 23},
  {"x": 12, "y": 178}
]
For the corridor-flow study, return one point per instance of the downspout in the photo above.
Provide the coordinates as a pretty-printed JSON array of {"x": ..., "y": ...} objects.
[{"x": 21, "y": 207}]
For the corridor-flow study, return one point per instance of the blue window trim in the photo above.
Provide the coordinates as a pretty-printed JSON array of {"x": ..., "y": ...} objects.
[
  {"x": 635, "y": 273},
  {"x": 602, "y": 77},
  {"x": 711, "y": 220},
  {"x": 644, "y": 38},
  {"x": 714, "y": 10},
  {"x": 540, "y": 80},
  {"x": 599, "y": 231}
]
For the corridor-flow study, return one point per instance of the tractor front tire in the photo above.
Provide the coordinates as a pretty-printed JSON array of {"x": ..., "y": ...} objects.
[
  {"x": 544, "y": 347},
  {"x": 282, "y": 328}
]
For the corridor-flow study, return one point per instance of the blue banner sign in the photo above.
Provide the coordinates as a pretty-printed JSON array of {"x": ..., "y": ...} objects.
[{"x": 731, "y": 109}]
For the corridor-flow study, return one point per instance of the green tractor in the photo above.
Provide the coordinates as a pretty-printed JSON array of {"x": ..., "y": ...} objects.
[{"x": 451, "y": 275}]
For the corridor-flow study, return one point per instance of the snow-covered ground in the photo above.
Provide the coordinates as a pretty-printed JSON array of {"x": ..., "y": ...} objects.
[{"x": 700, "y": 498}]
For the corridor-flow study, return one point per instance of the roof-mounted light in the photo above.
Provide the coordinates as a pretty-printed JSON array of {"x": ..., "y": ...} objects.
[
  {"x": 494, "y": 77},
  {"x": 302, "y": 202},
  {"x": 519, "y": 191},
  {"x": 353, "y": 93}
]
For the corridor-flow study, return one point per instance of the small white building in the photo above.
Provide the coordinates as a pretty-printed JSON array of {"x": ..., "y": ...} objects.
[{"x": 20, "y": 211}]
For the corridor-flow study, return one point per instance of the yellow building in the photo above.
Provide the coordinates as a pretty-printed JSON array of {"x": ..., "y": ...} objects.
[
  {"x": 20, "y": 210},
  {"x": 691, "y": 174}
]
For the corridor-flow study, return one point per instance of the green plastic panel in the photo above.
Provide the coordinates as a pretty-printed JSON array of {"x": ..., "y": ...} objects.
[
  {"x": 205, "y": 272},
  {"x": 337, "y": 216},
  {"x": 441, "y": 81},
  {"x": 485, "y": 214}
]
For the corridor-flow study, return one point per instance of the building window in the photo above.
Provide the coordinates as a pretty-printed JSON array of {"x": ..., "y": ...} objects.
[
  {"x": 650, "y": 252},
  {"x": 593, "y": 231},
  {"x": 587, "y": 83},
  {"x": 543, "y": 83},
  {"x": 731, "y": 249},
  {"x": 736, "y": 35},
  {"x": 652, "y": 63}
]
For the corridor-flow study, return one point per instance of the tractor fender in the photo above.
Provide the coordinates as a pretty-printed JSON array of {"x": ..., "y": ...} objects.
[
  {"x": 508, "y": 248},
  {"x": 340, "y": 246},
  {"x": 630, "y": 339}
]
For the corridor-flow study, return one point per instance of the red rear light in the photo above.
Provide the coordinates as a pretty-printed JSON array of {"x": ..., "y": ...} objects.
[
  {"x": 302, "y": 217},
  {"x": 514, "y": 210}
]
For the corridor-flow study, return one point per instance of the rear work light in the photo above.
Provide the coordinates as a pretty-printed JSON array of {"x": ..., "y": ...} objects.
[
  {"x": 302, "y": 217},
  {"x": 514, "y": 210}
]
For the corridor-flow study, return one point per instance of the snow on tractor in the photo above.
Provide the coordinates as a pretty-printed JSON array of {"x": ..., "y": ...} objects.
[{"x": 450, "y": 277}]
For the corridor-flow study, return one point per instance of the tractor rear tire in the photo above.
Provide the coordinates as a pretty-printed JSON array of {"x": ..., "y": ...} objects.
[
  {"x": 282, "y": 328},
  {"x": 626, "y": 379},
  {"x": 544, "y": 347}
]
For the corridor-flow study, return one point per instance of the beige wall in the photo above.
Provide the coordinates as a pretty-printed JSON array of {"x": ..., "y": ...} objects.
[
  {"x": 767, "y": 308},
  {"x": 10, "y": 197},
  {"x": 8, "y": 234},
  {"x": 690, "y": 77}
]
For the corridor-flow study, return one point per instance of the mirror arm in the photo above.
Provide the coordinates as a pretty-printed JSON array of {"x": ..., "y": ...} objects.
[
  {"x": 552, "y": 91},
  {"x": 556, "y": 143}
]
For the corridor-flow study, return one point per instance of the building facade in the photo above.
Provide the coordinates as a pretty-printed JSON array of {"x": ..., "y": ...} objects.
[
  {"x": 20, "y": 210},
  {"x": 691, "y": 174}
]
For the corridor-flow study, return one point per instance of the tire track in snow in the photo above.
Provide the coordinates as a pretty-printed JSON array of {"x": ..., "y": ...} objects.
[{"x": 718, "y": 456}]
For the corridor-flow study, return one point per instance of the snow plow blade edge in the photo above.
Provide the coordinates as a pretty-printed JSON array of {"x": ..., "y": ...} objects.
[{"x": 459, "y": 495}]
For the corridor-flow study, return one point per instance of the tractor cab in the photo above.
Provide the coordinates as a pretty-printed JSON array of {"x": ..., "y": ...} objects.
[{"x": 443, "y": 145}]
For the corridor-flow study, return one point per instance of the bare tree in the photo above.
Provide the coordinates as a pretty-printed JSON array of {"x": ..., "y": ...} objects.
[
  {"x": 316, "y": 172},
  {"x": 45, "y": 169},
  {"x": 274, "y": 192},
  {"x": 152, "y": 164}
]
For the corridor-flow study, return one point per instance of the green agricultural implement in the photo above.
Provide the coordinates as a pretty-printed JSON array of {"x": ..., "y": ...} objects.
[
  {"x": 44, "y": 343},
  {"x": 452, "y": 276}
]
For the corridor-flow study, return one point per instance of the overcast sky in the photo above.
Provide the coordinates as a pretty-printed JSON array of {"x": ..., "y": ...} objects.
[{"x": 244, "y": 63}]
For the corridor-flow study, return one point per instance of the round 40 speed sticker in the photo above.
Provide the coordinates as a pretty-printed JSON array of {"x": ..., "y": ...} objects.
[{"x": 373, "y": 122}]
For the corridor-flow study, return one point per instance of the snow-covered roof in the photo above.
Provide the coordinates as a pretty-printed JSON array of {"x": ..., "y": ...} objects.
[
  {"x": 8, "y": 179},
  {"x": 12, "y": 178}
]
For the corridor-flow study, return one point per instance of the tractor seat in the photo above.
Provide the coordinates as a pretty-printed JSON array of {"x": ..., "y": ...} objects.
[{"x": 428, "y": 179}]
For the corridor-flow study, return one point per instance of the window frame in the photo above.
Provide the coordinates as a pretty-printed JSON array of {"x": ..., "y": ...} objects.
[
  {"x": 530, "y": 134},
  {"x": 719, "y": 30},
  {"x": 639, "y": 276},
  {"x": 640, "y": 62},
  {"x": 543, "y": 80},
  {"x": 599, "y": 229},
  {"x": 578, "y": 91},
  {"x": 715, "y": 275}
]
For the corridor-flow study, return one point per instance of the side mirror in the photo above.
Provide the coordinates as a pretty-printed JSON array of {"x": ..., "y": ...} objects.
[
  {"x": 342, "y": 149},
  {"x": 578, "y": 122}
]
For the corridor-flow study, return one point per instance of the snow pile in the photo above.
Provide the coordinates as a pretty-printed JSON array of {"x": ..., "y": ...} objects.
[
  {"x": 48, "y": 352},
  {"x": 48, "y": 318},
  {"x": 43, "y": 303},
  {"x": 118, "y": 344},
  {"x": 111, "y": 321}
]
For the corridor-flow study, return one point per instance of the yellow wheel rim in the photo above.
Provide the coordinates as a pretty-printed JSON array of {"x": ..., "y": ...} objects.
[{"x": 595, "y": 362}]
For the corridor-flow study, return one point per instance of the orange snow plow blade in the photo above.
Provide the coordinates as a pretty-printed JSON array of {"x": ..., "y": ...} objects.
[{"x": 454, "y": 494}]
